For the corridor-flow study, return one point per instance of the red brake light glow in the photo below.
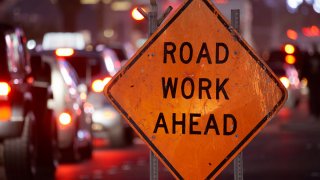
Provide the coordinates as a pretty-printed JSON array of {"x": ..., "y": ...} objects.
[
  {"x": 290, "y": 59},
  {"x": 292, "y": 34},
  {"x": 5, "y": 112},
  {"x": 65, "y": 118},
  {"x": 4, "y": 89},
  {"x": 64, "y": 52}
]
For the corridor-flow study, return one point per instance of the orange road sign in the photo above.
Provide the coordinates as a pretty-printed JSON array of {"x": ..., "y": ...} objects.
[{"x": 196, "y": 92}]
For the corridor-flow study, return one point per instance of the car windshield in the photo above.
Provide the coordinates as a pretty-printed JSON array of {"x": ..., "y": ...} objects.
[
  {"x": 120, "y": 53},
  {"x": 88, "y": 68}
]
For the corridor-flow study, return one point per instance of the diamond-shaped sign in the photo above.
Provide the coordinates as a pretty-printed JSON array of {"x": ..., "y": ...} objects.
[{"x": 196, "y": 92}]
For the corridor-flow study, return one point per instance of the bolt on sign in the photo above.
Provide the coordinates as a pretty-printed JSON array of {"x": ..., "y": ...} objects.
[{"x": 196, "y": 92}]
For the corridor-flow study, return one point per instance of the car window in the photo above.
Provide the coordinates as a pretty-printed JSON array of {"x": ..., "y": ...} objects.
[
  {"x": 111, "y": 61},
  {"x": 66, "y": 74},
  {"x": 73, "y": 74},
  {"x": 13, "y": 54},
  {"x": 80, "y": 64},
  {"x": 88, "y": 68},
  {"x": 98, "y": 68},
  {"x": 120, "y": 53},
  {"x": 24, "y": 54}
]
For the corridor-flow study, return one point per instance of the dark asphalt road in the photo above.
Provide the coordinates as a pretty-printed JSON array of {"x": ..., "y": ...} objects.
[
  {"x": 107, "y": 163},
  {"x": 288, "y": 148}
]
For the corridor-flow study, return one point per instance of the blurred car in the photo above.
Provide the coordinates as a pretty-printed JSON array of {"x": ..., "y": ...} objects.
[
  {"x": 73, "y": 117},
  {"x": 27, "y": 136},
  {"x": 95, "y": 69},
  {"x": 123, "y": 51},
  {"x": 288, "y": 75}
]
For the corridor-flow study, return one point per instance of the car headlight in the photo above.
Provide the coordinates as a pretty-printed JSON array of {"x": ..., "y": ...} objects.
[{"x": 285, "y": 81}]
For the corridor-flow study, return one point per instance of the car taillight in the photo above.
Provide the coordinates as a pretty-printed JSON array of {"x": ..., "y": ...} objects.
[
  {"x": 289, "y": 49},
  {"x": 64, "y": 52},
  {"x": 285, "y": 81},
  {"x": 290, "y": 59},
  {"x": 65, "y": 118},
  {"x": 98, "y": 85},
  {"x": 4, "y": 89},
  {"x": 5, "y": 112}
]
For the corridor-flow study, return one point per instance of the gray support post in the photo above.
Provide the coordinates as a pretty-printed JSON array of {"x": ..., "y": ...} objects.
[
  {"x": 238, "y": 161},
  {"x": 238, "y": 167},
  {"x": 235, "y": 19},
  {"x": 154, "y": 169},
  {"x": 153, "y": 24}
]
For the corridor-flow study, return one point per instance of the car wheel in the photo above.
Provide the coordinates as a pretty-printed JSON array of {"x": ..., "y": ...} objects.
[{"x": 20, "y": 153}]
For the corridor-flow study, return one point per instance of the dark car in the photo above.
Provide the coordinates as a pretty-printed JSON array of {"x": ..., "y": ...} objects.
[
  {"x": 288, "y": 75},
  {"x": 27, "y": 135}
]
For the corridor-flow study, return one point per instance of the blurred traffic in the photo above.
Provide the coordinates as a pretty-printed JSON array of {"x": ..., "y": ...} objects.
[{"x": 58, "y": 56}]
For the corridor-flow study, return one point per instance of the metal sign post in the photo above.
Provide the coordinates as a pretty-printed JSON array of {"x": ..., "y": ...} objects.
[
  {"x": 238, "y": 167},
  {"x": 152, "y": 19},
  {"x": 153, "y": 22},
  {"x": 238, "y": 161}
]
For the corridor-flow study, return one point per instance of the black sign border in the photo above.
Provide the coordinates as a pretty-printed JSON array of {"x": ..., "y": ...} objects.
[{"x": 244, "y": 45}]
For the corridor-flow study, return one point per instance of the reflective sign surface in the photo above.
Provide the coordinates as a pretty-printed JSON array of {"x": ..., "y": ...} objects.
[{"x": 196, "y": 92}]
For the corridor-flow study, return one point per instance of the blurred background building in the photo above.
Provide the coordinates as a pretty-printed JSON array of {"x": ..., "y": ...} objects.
[{"x": 265, "y": 24}]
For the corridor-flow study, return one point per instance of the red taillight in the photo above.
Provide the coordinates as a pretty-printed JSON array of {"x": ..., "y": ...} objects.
[
  {"x": 64, "y": 52},
  {"x": 4, "y": 89},
  {"x": 65, "y": 118},
  {"x": 5, "y": 112},
  {"x": 98, "y": 85},
  {"x": 290, "y": 59}
]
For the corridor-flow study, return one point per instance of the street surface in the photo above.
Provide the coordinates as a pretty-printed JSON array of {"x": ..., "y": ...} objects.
[{"x": 288, "y": 148}]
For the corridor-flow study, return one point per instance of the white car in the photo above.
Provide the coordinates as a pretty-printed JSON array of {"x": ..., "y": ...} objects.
[
  {"x": 73, "y": 121},
  {"x": 95, "y": 69}
]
